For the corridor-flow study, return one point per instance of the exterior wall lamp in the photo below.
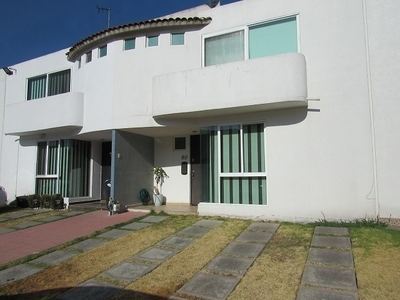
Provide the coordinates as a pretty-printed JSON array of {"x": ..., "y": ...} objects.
[{"x": 9, "y": 71}]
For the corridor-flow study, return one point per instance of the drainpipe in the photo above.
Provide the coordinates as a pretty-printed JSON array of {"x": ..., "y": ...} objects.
[{"x": 371, "y": 109}]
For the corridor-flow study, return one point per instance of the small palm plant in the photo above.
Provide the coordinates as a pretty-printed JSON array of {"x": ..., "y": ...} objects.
[{"x": 159, "y": 177}]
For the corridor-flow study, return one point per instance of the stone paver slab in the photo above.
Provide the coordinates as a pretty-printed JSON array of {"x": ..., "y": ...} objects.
[
  {"x": 271, "y": 227},
  {"x": 255, "y": 236},
  {"x": 331, "y": 230},
  {"x": 6, "y": 230},
  {"x": 54, "y": 258},
  {"x": 331, "y": 242},
  {"x": 128, "y": 271},
  {"x": 229, "y": 264},
  {"x": 243, "y": 249},
  {"x": 156, "y": 254},
  {"x": 208, "y": 223},
  {"x": 330, "y": 277},
  {"x": 177, "y": 242},
  {"x": 18, "y": 272},
  {"x": 114, "y": 234},
  {"x": 20, "y": 215},
  {"x": 307, "y": 293},
  {"x": 52, "y": 218},
  {"x": 331, "y": 256},
  {"x": 2, "y": 219},
  {"x": 209, "y": 286},
  {"x": 27, "y": 224},
  {"x": 88, "y": 244},
  {"x": 136, "y": 226},
  {"x": 37, "y": 211},
  {"x": 91, "y": 290},
  {"x": 153, "y": 219},
  {"x": 194, "y": 231}
]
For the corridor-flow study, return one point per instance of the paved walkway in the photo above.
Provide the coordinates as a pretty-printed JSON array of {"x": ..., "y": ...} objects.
[
  {"x": 329, "y": 272},
  {"x": 20, "y": 243}
]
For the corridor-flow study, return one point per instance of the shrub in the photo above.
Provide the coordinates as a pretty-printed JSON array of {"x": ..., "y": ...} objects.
[
  {"x": 57, "y": 202},
  {"x": 45, "y": 201},
  {"x": 22, "y": 201},
  {"x": 33, "y": 201}
]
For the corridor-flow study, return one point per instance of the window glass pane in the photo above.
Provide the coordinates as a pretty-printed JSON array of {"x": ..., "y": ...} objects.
[
  {"x": 37, "y": 87},
  {"x": 41, "y": 158},
  {"x": 244, "y": 190},
  {"x": 273, "y": 38},
  {"x": 152, "y": 41},
  {"x": 209, "y": 161},
  {"x": 103, "y": 51},
  {"x": 230, "y": 149},
  {"x": 253, "y": 148},
  {"x": 59, "y": 82},
  {"x": 178, "y": 39},
  {"x": 130, "y": 44},
  {"x": 180, "y": 143},
  {"x": 89, "y": 57},
  {"x": 52, "y": 158},
  {"x": 224, "y": 48}
]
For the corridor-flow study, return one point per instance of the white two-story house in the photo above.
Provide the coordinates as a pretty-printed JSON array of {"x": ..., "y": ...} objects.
[{"x": 263, "y": 109}]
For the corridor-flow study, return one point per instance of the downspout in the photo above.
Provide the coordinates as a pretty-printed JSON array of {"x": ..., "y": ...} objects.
[{"x": 371, "y": 109}]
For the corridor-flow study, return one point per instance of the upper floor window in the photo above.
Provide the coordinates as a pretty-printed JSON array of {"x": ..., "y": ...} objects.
[
  {"x": 264, "y": 39},
  {"x": 103, "y": 51},
  {"x": 177, "y": 39},
  {"x": 49, "y": 84},
  {"x": 88, "y": 57},
  {"x": 224, "y": 48},
  {"x": 152, "y": 41},
  {"x": 129, "y": 44},
  {"x": 79, "y": 63},
  {"x": 273, "y": 38}
]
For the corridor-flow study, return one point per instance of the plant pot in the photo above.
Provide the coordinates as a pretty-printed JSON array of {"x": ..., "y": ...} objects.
[{"x": 158, "y": 199}]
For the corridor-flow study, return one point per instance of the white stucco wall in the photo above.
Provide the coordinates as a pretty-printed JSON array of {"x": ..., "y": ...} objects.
[{"x": 176, "y": 188}]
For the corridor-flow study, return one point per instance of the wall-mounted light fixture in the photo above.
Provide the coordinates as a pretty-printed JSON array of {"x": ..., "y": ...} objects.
[{"x": 9, "y": 71}]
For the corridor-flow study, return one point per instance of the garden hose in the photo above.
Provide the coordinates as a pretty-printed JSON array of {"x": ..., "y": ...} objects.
[{"x": 144, "y": 196}]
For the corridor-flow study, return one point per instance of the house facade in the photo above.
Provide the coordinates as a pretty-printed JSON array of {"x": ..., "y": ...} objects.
[{"x": 264, "y": 109}]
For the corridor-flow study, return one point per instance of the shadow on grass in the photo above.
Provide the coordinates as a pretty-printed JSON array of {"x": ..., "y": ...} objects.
[{"x": 86, "y": 291}]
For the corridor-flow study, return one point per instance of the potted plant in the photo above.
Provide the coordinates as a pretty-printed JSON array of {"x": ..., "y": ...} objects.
[{"x": 159, "y": 177}]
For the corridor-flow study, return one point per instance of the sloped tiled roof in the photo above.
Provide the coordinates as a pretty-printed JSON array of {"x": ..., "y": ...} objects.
[{"x": 134, "y": 29}]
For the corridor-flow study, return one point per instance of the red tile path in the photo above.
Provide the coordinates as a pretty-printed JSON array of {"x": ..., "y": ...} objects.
[{"x": 15, "y": 245}]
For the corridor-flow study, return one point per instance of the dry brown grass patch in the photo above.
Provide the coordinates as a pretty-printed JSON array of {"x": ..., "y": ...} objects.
[
  {"x": 171, "y": 275},
  {"x": 377, "y": 261},
  {"x": 276, "y": 273}
]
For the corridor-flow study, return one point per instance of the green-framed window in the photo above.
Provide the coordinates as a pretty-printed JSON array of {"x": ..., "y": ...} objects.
[
  {"x": 177, "y": 39},
  {"x": 129, "y": 44},
  {"x": 63, "y": 167},
  {"x": 233, "y": 158},
  {"x": 49, "y": 84}
]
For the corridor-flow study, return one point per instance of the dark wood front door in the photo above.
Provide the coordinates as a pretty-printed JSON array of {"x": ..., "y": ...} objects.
[{"x": 195, "y": 183}]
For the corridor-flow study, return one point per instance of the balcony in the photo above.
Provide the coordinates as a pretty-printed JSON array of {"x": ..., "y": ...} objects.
[
  {"x": 56, "y": 114},
  {"x": 246, "y": 86}
]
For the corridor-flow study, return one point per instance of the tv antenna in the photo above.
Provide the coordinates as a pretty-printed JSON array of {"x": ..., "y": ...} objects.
[{"x": 108, "y": 9}]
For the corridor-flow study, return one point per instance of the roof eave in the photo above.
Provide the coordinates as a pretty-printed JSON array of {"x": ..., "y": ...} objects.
[{"x": 134, "y": 29}]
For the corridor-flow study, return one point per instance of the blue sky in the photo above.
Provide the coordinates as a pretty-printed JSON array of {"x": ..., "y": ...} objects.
[{"x": 32, "y": 28}]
